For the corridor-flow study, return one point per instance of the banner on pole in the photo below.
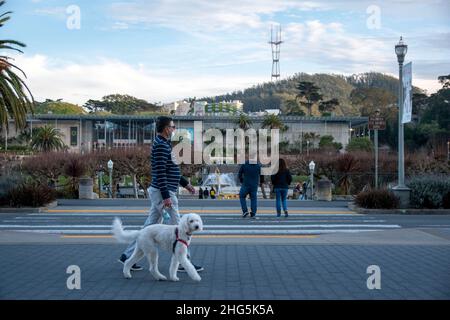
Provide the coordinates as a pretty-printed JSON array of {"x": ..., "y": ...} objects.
[{"x": 407, "y": 93}]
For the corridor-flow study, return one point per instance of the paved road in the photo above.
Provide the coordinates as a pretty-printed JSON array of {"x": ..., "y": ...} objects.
[
  {"x": 316, "y": 253},
  {"x": 88, "y": 220}
]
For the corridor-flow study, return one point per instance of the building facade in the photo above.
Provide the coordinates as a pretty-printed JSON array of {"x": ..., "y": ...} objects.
[{"x": 85, "y": 133}]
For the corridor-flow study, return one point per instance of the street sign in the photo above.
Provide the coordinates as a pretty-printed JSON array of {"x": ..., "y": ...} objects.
[
  {"x": 407, "y": 93},
  {"x": 377, "y": 123}
]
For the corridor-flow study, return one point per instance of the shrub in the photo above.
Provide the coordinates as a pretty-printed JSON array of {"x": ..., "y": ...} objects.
[
  {"x": 377, "y": 199},
  {"x": 7, "y": 183},
  {"x": 446, "y": 201},
  {"x": 429, "y": 191},
  {"x": 360, "y": 144},
  {"x": 31, "y": 195}
]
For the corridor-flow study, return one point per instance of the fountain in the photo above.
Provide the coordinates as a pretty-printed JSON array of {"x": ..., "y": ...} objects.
[{"x": 225, "y": 183}]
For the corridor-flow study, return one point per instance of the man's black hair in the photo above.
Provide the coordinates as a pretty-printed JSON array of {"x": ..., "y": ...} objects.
[{"x": 162, "y": 122}]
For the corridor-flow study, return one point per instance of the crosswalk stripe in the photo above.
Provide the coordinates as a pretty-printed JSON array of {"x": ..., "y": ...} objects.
[{"x": 306, "y": 222}]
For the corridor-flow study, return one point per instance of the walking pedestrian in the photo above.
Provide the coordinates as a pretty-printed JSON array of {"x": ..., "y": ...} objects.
[
  {"x": 281, "y": 181},
  {"x": 166, "y": 176},
  {"x": 200, "y": 193},
  {"x": 249, "y": 175},
  {"x": 305, "y": 189},
  {"x": 206, "y": 193},
  {"x": 297, "y": 191}
]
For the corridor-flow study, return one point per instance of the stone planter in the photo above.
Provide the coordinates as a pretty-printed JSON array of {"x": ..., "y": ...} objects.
[
  {"x": 86, "y": 188},
  {"x": 323, "y": 192}
]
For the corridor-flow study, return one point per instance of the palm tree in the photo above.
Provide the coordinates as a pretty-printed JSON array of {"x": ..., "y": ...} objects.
[
  {"x": 16, "y": 99},
  {"x": 47, "y": 139},
  {"x": 243, "y": 121},
  {"x": 272, "y": 121}
]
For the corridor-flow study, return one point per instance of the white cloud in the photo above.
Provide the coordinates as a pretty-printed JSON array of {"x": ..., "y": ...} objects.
[
  {"x": 193, "y": 16},
  {"x": 58, "y": 12},
  {"x": 120, "y": 26},
  {"x": 430, "y": 85},
  {"x": 329, "y": 45},
  {"x": 76, "y": 83}
]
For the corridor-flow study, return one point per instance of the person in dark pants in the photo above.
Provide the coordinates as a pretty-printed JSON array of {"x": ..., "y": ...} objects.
[
  {"x": 249, "y": 175},
  {"x": 206, "y": 193},
  {"x": 305, "y": 189},
  {"x": 281, "y": 181},
  {"x": 166, "y": 177},
  {"x": 200, "y": 193}
]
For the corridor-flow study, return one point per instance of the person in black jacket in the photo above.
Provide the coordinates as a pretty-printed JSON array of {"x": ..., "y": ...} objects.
[{"x": 281, "y": 181}]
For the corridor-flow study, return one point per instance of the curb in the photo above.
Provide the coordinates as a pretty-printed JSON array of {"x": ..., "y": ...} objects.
[
  {"x": 29, "y": 209},
  {"x": 360, "y": 210}
]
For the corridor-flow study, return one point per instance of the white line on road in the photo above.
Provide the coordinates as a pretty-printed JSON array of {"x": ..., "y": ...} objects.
[
  {"x": 237, "y": 215},
  {"x": 231, "y": 226}
]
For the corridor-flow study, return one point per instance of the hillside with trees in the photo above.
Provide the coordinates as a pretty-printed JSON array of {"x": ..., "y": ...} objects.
[{"x": 284, "y": 94}]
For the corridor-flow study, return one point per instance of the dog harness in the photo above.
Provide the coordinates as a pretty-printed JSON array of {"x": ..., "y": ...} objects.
[{"x": 178, "y": 239}]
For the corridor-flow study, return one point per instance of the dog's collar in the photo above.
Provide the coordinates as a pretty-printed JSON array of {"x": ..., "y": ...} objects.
[{"x": 178, "y": 239}]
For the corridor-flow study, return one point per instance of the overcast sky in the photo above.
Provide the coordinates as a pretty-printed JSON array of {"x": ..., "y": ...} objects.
[{"x": 165, "y": 50}]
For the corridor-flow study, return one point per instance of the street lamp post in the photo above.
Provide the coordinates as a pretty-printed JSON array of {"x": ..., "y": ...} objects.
[
  {"x": 375, "y": 138},
  {"x": 312, "y": 165},
  {"x": 100, "y": 178},
  {"x": 110, "y": 167},
  {"x": 401, "y": 190}
]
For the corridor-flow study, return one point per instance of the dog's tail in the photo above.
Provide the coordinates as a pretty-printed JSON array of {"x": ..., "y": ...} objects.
[{"x": 121, "y": 235}]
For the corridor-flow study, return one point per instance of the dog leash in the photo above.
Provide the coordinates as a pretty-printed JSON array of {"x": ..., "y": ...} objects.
[{"x": 178, "y": 239}]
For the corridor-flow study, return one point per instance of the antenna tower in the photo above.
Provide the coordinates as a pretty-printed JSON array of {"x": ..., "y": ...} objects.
[{"x": 275, "y": 42}]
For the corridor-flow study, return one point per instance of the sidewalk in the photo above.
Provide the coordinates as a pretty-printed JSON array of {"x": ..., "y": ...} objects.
[{"x": 237, "y": 272}]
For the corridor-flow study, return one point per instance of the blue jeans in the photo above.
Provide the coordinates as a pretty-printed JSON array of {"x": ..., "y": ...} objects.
[
  {"x": 253, "y": 191},
  {"x": 281, "y": 195}
]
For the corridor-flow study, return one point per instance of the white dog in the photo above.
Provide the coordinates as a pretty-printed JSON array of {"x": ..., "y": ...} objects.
[{"x": 169, "y": 237}]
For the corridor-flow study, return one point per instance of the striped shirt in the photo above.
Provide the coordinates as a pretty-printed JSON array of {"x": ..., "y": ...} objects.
[{"x": 166, "y": 174}]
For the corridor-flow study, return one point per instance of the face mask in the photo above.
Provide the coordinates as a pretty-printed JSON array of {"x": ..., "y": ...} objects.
[{"x": 172, "y": 135}]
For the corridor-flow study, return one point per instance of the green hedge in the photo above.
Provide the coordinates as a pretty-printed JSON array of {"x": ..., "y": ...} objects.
[{"x": 430, "y": 191}]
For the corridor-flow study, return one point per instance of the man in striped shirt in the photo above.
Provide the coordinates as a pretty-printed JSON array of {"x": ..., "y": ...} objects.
[{"x": 166, "y": 176}]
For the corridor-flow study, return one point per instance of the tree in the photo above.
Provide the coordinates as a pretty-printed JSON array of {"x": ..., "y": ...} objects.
[
  {"x": 360, "y": 144},
  {"x": 16, "y": 99},
  {"x": 58, "y": 107},
  {"x": 120, "y": 104},
  {"x": 419, "y": 104},
  {"x": 272, "y": 121},
  {"x": 310, "y": 137},
  {"x": 439, "y": 109},
  {"x": 326, "y": 107},
  {"x": 243, "y": 121},
  {"x": 368, "y": 100},
  {"x": 94, "y": 106},
  {"x": 292, "y": 108},
  {"x": 327, "y": 142},
  {"x": 47, "y": 139},
  {"x": 445, "y": 81},
  {"x": 308, "y": 94}
]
